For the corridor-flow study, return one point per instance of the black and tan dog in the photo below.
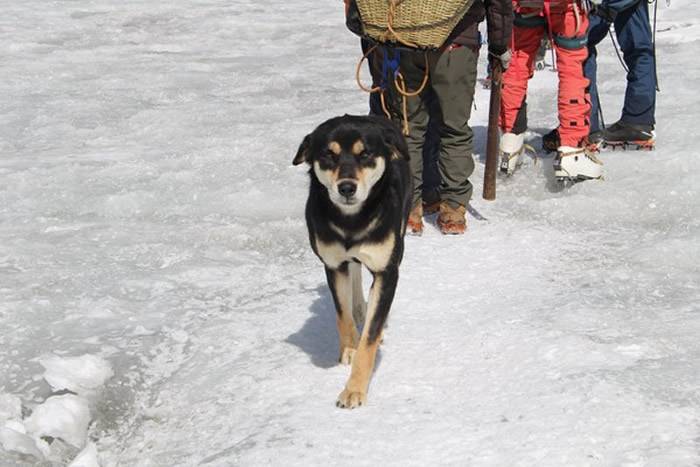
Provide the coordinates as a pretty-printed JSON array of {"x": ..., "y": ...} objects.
[{"x": 359, "y": 200}]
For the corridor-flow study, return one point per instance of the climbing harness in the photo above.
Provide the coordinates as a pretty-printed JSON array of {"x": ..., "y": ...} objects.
[
  {"x": 391, "y": 75},
  {"x": 417, "y": 25}
]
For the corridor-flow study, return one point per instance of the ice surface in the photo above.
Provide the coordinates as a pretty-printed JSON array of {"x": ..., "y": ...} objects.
[
  {"x": 10, "y": 407},
  {"x": 86, "y": 458},
  {"x": 13, "y": 438},
  {"x": 77, "y": 374},
  {"x": 65, "y": 417},
  {"x": 150, "y": 217}
]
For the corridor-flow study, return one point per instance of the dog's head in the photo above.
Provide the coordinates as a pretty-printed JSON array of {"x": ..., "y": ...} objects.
[{"x": 349, "y": 156}]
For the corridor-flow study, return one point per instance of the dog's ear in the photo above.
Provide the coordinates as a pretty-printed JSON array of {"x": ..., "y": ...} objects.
[
  {"x": 396, "y": 143},
  {"x": 303, "y": 151}
]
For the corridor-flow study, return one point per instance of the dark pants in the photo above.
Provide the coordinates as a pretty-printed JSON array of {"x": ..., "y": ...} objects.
[
  {"x": 431, "y": 147},
  {"x": 450, "y": 90},
  {"x": 635, "y": 38},
  {"x": 431, "y": 154}
]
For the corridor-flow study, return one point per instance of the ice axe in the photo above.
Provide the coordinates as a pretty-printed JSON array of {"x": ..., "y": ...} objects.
[{"x": 492, "y": 134}]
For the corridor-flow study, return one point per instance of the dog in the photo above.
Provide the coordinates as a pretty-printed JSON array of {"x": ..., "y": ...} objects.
[{"x": 359, "y": 199}]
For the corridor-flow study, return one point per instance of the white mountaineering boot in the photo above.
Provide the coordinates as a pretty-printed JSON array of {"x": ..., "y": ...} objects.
[
  {"x": 577, "y": 164},
  {"x": 511, "y": 147}
]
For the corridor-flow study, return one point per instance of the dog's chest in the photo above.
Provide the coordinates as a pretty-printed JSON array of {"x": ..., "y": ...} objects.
[{"x": 374, "y": 255}]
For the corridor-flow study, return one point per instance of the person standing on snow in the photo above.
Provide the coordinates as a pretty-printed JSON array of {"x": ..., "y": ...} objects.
[
  {"x": 451, "y": 80},
  {"x": 633, "y": 31},
  {"x": 431, "y": 146},
  {"x": 566, "y": 21}
]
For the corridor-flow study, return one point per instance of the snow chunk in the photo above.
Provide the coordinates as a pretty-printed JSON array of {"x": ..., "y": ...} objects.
[
  {"x": 77, "y": 374},
  {"x": 180, "y": 336},
  {"x": 141, "y": 331},
  {"x": 86, "y": 458},
  {"x": 13, "y": 438},
  {"x": 16, "y": 425},
  {"x": 10, "y": 407},
  {"x": 66, "y": 417}
]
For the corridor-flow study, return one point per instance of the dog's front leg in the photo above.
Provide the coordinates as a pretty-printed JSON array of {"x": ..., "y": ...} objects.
[
  {"x": 380, "y": 297},
  {"x": 341, "y": 288},
  {"x": 359, "y": 306}
]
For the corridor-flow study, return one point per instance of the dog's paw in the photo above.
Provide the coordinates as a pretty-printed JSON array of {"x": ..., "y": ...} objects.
[
  {"x": 346, "y": 356},
  {"x": 351, "y": 399}
]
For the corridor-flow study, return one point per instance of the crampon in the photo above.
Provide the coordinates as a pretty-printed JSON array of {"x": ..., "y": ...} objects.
[
  {"x": 573, "y": 165},
  {"x": 451, "y": 228},
  {"x": 510, "y": 162},
  {"x": 642, "y": 145}
]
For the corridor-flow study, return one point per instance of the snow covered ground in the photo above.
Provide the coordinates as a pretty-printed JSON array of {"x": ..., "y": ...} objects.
[{"x": 151, "y": 224}]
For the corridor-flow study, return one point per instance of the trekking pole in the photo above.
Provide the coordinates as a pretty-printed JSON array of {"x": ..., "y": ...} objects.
[{"x": 492, "y": 134}]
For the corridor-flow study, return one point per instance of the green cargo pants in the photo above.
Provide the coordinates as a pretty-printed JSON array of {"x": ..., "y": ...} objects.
[{"x": 451, "y": 80}]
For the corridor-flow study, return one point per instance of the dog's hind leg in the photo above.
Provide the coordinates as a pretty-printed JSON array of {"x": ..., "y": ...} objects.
[
  {"x": 380, "y": 297},
  {"x": 359, "y": 306},
  {"x": 339, "y": 281}
]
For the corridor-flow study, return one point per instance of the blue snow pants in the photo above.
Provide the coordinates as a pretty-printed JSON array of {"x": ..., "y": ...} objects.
[{"x": 634, "y": 36}]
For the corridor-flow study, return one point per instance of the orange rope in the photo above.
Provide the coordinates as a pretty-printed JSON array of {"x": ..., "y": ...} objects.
[
  {"x": 404, "y": 110},
  {"x": 390, "y": 26},
  {"x": 373, "y": 89},
  {"x": 577, "y": 15},
  {"x": 359, "y": 69},
  {"x": 402, "y": 86},
  {"x": 384, "y": 108},
  {"x": 399, "y": 81}
]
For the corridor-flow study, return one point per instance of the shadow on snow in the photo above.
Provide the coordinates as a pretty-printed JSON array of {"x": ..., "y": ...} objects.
[{"x": 318, "y": 337}]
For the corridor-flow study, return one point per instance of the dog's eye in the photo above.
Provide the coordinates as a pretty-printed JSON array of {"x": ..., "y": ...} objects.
[
  {"x": 327, "y": 159},
  {"x": 364, "y": 156}
]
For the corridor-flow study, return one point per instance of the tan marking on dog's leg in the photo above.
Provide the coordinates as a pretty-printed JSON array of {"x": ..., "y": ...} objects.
[
  {"x": 359, "y": 306},
  {"x": 347, "y": 338},
  {"x": 347, "y": 332},
  {"x": 347, "y": 356},
  {"x": 355, "y": 392}
]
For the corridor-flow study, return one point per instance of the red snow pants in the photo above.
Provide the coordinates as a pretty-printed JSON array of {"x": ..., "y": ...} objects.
[{"x": 567, "y": 25}]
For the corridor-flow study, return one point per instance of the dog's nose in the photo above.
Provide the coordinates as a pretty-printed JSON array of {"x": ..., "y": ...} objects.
[{"x": 347, "y": 189}]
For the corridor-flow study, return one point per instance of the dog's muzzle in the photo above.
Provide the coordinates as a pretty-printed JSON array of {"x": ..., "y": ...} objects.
[{"x": 347, "y": 189}]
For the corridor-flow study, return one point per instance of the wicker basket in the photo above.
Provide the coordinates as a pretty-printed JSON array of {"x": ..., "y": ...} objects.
[{"x": 424, "y": 24}]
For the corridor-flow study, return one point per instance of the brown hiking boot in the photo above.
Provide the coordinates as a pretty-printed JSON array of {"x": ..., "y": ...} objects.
[
  {"x": 431, "y": 208},
  {"x": 415, "y": 220},
  {"x": 431, "y": 201},
  {"x": 451, "y": 221}
]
